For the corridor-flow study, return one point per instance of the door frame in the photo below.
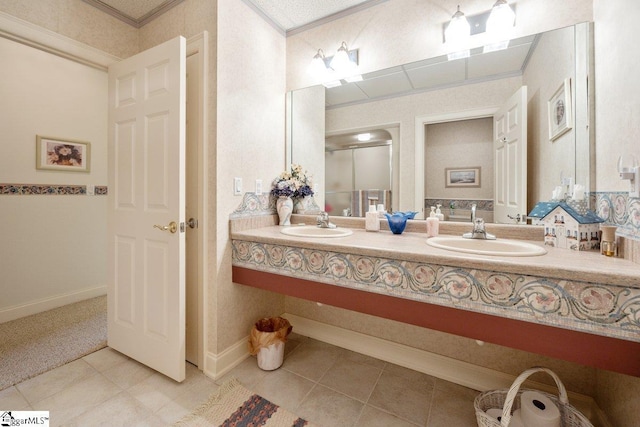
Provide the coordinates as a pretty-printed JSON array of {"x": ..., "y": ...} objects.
[
  {"x": 420, "y": 140},
  {"x": 200, "y": 44}
]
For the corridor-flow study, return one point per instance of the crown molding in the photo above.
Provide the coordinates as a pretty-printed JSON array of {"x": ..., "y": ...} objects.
[
  {"x": 29, "y": 34},
  {"x": 137, "y": 23}
]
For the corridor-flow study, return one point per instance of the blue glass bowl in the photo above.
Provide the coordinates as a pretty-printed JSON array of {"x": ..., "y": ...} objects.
[{"x": 397, "y": 222}]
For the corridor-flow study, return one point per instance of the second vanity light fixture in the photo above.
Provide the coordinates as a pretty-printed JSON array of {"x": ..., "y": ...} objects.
[
  {"x": 498, "y": 25},
  {"x": 343, "y": 65}
]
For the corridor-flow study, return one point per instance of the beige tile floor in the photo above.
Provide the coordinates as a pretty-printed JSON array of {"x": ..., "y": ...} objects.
[{"x": 324, "y": 384}]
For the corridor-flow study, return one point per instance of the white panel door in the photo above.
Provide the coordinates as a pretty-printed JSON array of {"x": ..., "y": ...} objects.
[
  {"x": 510, "y": 159},
  {"x": 146, "y": 158}
]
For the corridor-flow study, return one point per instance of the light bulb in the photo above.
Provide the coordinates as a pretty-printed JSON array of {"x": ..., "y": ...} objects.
[
  {"x": 341, "y": 63},
  {"x": 317, "y": 67},
  {"x": 458, "y": 32},
  {"x": 501, "y": 21}
]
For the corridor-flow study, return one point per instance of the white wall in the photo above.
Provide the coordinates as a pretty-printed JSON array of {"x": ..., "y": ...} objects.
[
  {"x": 547, "y": 68},
  {"x": 53, "y": 246},
  {"x": 617, "y": 89},
  {"x": 464, "y": 143}
]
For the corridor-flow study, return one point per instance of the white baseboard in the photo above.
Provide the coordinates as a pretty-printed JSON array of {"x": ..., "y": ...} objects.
[
  {"x": 38, "y": 306},
  {"x": 216, "y": 365},
  {"x": 448, "y": 369}
]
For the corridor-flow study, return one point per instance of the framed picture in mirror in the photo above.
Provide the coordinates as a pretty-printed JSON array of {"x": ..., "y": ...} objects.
[
  {"x": 560, "y": 118},
  {"x": 462, "y": 177}
]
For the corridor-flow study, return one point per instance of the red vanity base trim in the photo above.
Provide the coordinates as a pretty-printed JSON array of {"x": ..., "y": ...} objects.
[{"x": 580, "y": 347}]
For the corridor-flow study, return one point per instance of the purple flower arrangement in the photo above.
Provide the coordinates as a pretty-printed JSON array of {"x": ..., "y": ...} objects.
[{"x": 294, "y": 183}]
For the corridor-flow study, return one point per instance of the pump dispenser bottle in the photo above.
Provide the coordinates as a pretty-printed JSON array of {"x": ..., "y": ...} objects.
[
  {"x": 439, "y": 213},
  {"x": 433, "y": 224},
  {"x": 372, "y": 220}
]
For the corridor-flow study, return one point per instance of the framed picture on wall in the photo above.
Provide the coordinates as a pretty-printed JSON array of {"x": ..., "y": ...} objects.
[
  {"x": 62, "y": 154},
  {"x": 462, "y": 177},
  {"x": 560, "y": 117}
]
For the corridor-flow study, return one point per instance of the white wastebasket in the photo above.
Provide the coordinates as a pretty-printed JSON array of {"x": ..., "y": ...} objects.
[
  {"x": 270, "y": 358},
  {"x": 267, "y": 340}
]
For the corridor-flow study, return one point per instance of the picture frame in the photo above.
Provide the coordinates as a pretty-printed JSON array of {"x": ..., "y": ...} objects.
[
  {"x": 560, "y": 112},
  {"x": 66, "y": 155},
  {"x": 462, "y": 177}
]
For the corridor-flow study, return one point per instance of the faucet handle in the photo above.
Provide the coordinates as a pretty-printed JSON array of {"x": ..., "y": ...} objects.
[
  {"x": 323, "y": 217},
  {"x": 515, "y": 218},
  {"x": 478, "y": 225}
]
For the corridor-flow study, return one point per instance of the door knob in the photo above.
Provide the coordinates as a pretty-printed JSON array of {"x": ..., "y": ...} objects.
[
  {"x": 172, "y": 227},
  {"x": 192, "y": 223}
]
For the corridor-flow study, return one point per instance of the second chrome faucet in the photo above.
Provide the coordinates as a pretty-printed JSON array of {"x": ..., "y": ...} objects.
[{"x": 478, "y": 231}]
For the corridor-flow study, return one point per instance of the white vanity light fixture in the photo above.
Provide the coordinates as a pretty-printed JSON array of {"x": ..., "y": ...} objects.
[
  {"x": 364, "y": 137},
  {"x": 629, "y": 170},
  {"x": 331, "y": 70},
  {"x": 457, "y": 35},
  {"x": 500, "y": 26}
]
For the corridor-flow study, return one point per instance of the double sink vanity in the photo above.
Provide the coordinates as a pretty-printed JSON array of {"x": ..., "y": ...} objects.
[{"x": 512, "y": 291}]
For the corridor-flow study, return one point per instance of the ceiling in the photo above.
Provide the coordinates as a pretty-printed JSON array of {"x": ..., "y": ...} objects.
[{"x": 286, "y": 14}]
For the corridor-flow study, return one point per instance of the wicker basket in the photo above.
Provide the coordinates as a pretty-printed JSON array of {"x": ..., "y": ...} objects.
[{"x": 509, "y": 400}]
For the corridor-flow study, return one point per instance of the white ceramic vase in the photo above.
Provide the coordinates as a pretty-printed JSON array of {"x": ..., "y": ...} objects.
[{"x": 284, "y": 207}]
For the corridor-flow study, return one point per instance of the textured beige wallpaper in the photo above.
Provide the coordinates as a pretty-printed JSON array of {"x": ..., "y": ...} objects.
[
  {"x": 250, "y": 124},
  {"x": 79, "y": 21}
]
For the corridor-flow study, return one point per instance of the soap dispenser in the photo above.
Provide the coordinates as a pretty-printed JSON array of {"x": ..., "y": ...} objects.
[
  {"x": 439, "y": 213},
  {"x": 372, "y": 220},
  {"x": 433, "y": 223}
]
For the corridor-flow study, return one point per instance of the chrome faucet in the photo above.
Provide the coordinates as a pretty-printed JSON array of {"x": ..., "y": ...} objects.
[
  {"x": 478, "y": 231},
  {"x": 323, "y": 221}
]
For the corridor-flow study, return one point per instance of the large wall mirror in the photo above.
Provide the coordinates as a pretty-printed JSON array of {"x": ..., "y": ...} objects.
[{"x": 436, "y": 118}]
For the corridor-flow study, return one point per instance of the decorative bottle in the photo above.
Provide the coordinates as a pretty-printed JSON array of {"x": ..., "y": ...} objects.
[
  {"x": 372, "y": 220},
  {"x": 433, "y": 224}
]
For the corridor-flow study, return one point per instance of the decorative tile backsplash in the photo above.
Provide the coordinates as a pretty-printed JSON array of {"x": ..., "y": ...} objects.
[
  {"x": 255, "y": 205},
  {"x": 621, "y": 210},
  {"x": 481, "y": 204},
  {"x": 49, "y": 190}
]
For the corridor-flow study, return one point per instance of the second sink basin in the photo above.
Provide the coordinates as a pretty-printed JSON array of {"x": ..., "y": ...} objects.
[
  {"x": 499, "y": 247},
  {"x": 315, "y": 231}
]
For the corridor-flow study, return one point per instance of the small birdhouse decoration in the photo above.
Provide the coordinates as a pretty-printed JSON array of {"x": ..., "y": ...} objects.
[{"x": 565, "y": 227}]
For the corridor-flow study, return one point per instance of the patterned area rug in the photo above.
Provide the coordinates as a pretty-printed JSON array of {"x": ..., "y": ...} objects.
[
  {"x": 235, "y": 406},
  {"x": 38, "y": 343}
]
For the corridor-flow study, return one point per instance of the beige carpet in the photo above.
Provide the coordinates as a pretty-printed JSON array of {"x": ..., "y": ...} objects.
[
  {"x": 235, "y": 406},
  {"x": 35, "y": 344}
]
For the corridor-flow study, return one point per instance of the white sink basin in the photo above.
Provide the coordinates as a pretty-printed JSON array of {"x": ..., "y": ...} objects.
[
  {"x": 315, "y": 231},
  {"x": 499, "y": 247}
]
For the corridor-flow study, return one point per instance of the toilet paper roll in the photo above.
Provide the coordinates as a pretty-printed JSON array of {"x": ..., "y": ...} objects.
[
  {"x": 516, "y": 420},
  {"x": 538, "y": 410},
  {"x": 495, "y": 413}
]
